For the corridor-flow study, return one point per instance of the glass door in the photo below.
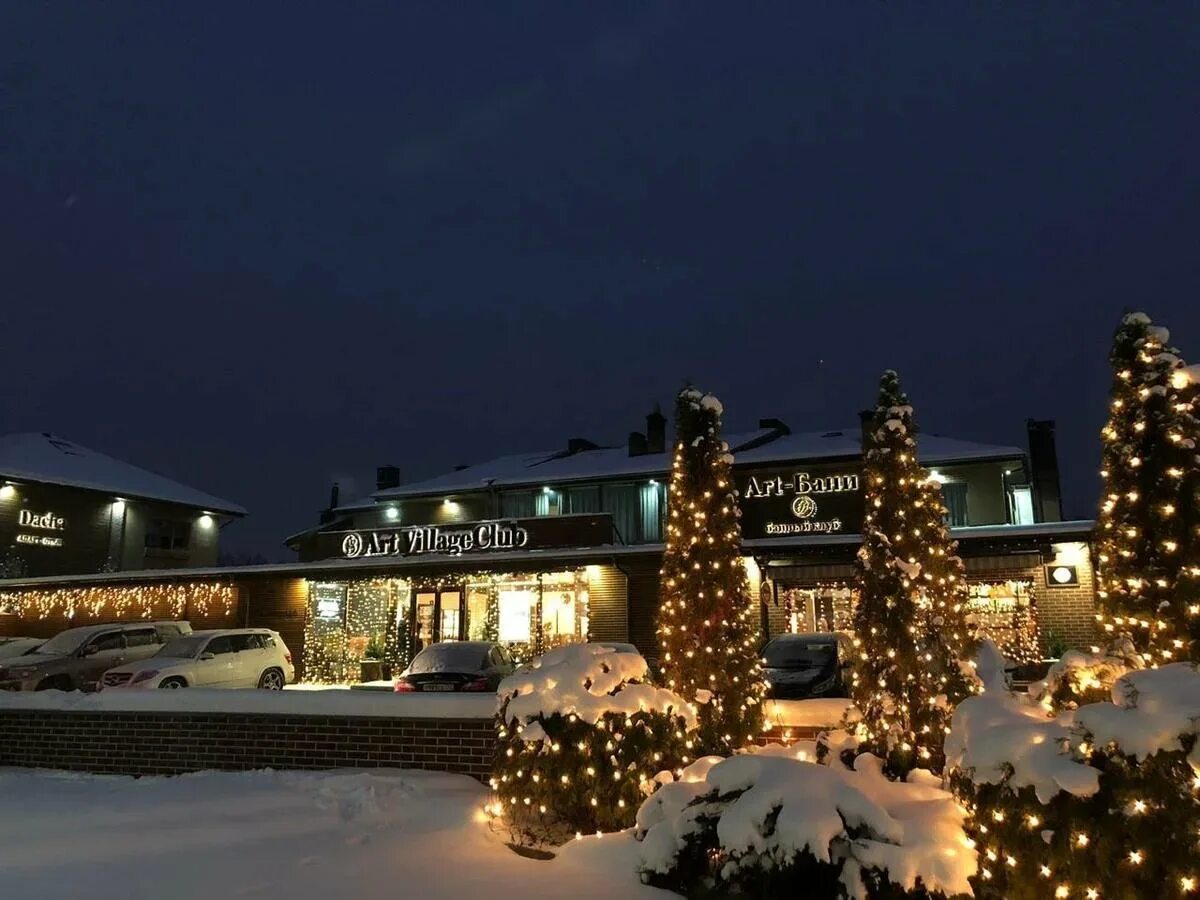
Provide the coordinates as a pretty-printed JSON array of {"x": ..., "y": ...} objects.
[
  {"x": 426, "y": 602},
  {"x": 450, "y": 615}
]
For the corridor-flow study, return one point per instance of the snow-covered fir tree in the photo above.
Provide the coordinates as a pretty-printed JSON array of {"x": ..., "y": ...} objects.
[
  {"x": 707, "y": 628},
  {"x": 910, "y": 621},
  {"x": 1148, "y": 547}
]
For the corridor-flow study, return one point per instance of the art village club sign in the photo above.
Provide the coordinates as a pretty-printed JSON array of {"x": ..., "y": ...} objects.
[
  {"x": 813, "y": 500},
  {"x": 418, "y": 540}
]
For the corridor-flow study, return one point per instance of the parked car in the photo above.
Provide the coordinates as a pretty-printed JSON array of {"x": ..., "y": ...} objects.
[
  {"x": 75, "y": 659},
  {"x": 225, "y": 658},
  {"x": 18, "y": 646},
  {"x": 802, "y": 666},
  {"x": 477, "y": 666}
]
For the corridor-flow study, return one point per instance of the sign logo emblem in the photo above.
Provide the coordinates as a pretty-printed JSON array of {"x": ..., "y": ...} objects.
[
  {"x": 804, "y": 507},
  {"x": 352, "y": 545}
]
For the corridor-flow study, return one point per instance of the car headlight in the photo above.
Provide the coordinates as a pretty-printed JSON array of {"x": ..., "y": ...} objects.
[{"x": 144, "y": 675}]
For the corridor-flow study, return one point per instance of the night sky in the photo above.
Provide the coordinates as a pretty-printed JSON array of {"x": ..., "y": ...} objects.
[{"x": 259, "y": 247}]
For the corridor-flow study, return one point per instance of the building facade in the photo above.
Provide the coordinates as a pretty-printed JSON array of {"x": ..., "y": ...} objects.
[
  {"x": 541, "y": 549},
  {"x": 68, "y": 510}
]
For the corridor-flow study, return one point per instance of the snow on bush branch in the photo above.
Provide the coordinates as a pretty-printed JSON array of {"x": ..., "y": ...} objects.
[
  {"x": 766, "y": 823},
  {"x": 585, "y": 680}
]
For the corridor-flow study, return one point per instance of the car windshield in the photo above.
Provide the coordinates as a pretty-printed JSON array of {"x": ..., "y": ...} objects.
[
  {"x": 795, "y": 654},
  {"x": 64, "y": 644},
  {"x": 449, "y": 658},
  {"x": 182, "y": 647}
]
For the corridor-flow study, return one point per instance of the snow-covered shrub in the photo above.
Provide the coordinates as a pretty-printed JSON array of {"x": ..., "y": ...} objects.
[
  {"x": 1079, "y": 678},
  {"x": 767, "y": 824},
  {"x": 1101, "y": 801},
  {"x": 581, "y": 735}
]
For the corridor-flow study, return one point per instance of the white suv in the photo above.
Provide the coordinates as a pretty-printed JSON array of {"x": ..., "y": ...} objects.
[{"x": 228, "y": 658}]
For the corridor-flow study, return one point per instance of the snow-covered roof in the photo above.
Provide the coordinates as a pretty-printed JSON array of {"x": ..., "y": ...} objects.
[
  {"x": 755, "y": 447},
  {"x": 49, "y": 459}
]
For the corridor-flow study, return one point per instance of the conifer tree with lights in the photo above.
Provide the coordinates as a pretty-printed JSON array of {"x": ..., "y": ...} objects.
[
  {"x": 1148, "y": 527},
  {"x": 910, "y": 624},
  {"x": 707, "y": 628}
]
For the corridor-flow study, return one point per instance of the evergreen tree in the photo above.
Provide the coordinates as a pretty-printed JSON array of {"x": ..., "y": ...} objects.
[
  {"x": 1148, "y": 547},
  {"x": 707, "y": 627},
  {"x": 910, "y": 620}
]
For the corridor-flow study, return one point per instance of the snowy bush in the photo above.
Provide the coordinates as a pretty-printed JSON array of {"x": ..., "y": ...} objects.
[
  {"x": 1080, "y": 678},
  {"x": 769, "y": 824},
  {"x": 581, "y": 735},
  {"x": 1100, "y": 801}
]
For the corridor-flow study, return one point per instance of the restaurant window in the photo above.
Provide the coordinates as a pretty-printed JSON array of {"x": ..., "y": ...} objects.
[
  {"x": 954, "y": 493},
  {"x": 1006, "y": 614},
  {"x": 478, "y": 599},
  {"x": 653, "y": 495},
  {"x": 623, "y": 502},
  {"x": 516, "y": 609},
  {"x": 548, "y": 502},
  {"x": 824, "y": 608},
  {"x": 517, "y": 504},
  {"x": 536, "y": 615},
  {"x": 582, "y": 499},
  {"x": 168, "y": 534}
]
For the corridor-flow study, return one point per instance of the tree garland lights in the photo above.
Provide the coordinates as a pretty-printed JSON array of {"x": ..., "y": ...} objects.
[
  {"x": 707, "y": 628},
  {"x": 910, "y": 622},
  {"x": 1148, "y": 549},
  {"x": 146, "y": 601},
  {"x": 581, "y": 736}
]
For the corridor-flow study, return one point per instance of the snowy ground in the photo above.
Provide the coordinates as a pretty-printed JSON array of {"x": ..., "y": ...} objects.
[{"x": 379, "y": 834}]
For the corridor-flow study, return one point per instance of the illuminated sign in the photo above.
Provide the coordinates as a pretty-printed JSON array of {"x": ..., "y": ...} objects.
[
  {"x": 39, "y": 540},
  {"x": 1062, "y": 576},
  {"x": 419, "y": 540},
  {"x": 41, "y": 522},
  {"x": 815, "y": 500},
  {"x": 327, "y": 599},
  {"x": 46, "y": 521}
]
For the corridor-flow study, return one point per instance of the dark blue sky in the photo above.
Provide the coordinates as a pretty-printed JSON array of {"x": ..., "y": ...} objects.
[{"x": 261, "y": 246}]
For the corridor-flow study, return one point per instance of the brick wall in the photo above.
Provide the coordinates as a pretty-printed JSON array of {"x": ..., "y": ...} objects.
[{"x": 171, "y": 743}]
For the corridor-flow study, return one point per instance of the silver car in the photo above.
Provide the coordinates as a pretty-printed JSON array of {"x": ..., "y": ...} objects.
[{"x": 74, "y": 659}]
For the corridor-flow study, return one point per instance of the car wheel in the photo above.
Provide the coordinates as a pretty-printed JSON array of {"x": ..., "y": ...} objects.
[
  {"x": 171, "y": 684},
  {"x": 271, "y": 680},
  {"x": 55, "y": 683}
]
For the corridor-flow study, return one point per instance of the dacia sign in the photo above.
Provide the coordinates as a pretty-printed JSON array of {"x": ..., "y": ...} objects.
[{"x": 802, "y": 500}]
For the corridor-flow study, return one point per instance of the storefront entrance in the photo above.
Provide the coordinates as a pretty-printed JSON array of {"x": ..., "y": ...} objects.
[{"x": 439, "y": 615}]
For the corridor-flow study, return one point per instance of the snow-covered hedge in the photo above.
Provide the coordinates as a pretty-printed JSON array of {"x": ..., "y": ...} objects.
[
  {"x": 768, "y": 824},
  {"x": 1103, "y": 798},
  {"x": 581, "y": 735},
  {"x": 1080, "y": 678}
]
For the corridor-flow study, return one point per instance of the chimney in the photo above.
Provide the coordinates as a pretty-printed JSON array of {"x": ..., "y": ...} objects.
[
  {"x": 1043, "y": 463},
  {"x": 779, "y": 426},
  {"x": 864, "y": 417},
  {"x": 637, "y": 443},
  {"x": 326, "y": 515},
  {"x": 656, "y": 431},
  {"x": 387, "y": 477}
]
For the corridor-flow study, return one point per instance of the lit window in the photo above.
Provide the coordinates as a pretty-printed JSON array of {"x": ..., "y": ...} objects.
[
  {"x": 515, "y": 615},
  {"x": 1022, "y": 505}
]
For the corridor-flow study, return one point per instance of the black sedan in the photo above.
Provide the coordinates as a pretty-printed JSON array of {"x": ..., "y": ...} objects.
[
  {"x": 801, "y": 666},
  {"x": 477, "y": 666}
]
